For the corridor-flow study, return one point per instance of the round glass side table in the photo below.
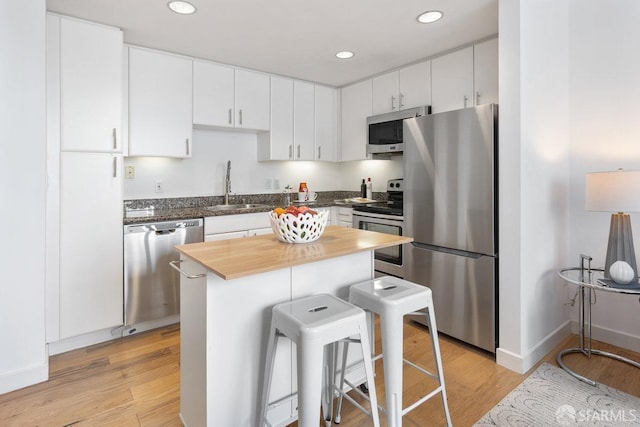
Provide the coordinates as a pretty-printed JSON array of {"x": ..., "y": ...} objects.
[{"x": 588, "y": 280}]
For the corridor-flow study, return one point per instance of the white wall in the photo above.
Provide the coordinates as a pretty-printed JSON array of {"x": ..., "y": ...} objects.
[
  {"x": 534, "y": 178},
  {"x": 605, "y": 135},
  {"x": 23, "y": 359},
  {"x": 203, "y": 174}
]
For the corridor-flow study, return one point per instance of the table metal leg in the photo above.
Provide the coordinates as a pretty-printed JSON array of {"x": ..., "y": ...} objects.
[{"x": 587, "y": 350}]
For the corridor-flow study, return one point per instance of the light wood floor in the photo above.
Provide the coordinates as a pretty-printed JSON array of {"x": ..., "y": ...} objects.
[{"x": 135, "y": 382}]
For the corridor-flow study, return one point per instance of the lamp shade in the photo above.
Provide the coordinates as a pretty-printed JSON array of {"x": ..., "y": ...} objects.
[{"x": 617, "y": 191}]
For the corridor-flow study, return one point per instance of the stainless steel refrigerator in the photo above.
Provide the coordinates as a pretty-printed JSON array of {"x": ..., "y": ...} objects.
[{"x": 450, "y": 209}]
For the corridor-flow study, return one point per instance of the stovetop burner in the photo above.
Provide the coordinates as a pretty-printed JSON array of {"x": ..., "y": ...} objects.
[{"x": 393, "y": 206}]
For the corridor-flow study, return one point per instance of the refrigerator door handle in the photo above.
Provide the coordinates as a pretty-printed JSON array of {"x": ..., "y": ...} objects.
[{"x": 452, "y": 251}]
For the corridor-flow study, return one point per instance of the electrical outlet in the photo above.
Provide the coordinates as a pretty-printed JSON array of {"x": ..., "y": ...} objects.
[
  {"x": 159, "y": 187},
  {"x": 130, "y": 172},
  {"x": 276, "y": 184},
  {"x": 267, "y": 184}
]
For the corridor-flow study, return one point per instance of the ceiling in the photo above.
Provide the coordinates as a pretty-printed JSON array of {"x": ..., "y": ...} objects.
[{"x": 297, "y": 38}]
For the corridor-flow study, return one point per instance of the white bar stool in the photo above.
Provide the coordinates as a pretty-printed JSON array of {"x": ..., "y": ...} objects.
[
  {"x": 393, "y": 298},
  {"x": 311, "y": 323}
]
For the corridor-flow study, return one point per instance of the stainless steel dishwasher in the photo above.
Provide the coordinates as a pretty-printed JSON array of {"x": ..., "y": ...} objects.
[{"x": 151, "y": 286}]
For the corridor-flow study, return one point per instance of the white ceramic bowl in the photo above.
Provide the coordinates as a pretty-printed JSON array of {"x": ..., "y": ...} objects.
[{"x": 303, "y": 228}]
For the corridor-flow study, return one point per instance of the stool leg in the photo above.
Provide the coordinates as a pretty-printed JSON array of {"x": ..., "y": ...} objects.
[
  {"x": 433, "y": 331},
  {"x": 345, "y": 349},
  {"x": 368, "y": 368},
  {"x": 391, "y": 328},
  {"x": 310, "y": 370},
  {"x": 329, "y": 380},
  {"x": 272, "y": 345}
]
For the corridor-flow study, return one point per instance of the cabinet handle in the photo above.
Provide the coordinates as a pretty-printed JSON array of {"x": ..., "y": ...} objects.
[
  {"x": 298, "y": 150},
  {"x": 319, "y": 152},
  {"x": 401, "y": 99},
  {"x": 173, "y": 265},
  {"x": 393, "y": 102},
  {"x": 240, "y": 114},
  {"x": 115, "y": 139},
  {"x": 187, "y": 143},
  {"x": 290, "y": 151},
  {"x": 230, "y": 117},
  {"x": 115, "y": 167},
  {"x": 477, "y": 98},
  {"x": 466, "y": 98}
]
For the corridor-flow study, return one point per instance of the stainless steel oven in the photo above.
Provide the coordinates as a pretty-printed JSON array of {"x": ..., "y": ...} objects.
[{"x": 385, "y": 218}]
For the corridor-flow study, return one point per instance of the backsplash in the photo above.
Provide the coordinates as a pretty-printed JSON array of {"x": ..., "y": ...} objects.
[{"x": 203, "y": 174}]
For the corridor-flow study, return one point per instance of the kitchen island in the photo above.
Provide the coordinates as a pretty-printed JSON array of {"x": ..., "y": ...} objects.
[{"x": 226, "y": 302}]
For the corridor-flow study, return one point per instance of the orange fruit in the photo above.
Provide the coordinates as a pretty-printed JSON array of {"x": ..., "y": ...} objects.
[{"x": 278, "y": 211}]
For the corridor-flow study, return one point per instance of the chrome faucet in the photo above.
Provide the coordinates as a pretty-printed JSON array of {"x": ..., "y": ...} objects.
[
  {"x": 227, "y": 184},
  {"x": 287, "y": 195}
]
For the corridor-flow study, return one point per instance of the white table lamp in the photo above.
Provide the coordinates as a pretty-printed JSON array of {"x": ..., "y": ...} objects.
[{"x": 616, "y": 192}]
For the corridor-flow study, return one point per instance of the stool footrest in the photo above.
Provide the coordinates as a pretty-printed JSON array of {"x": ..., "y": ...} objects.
[
  {"x": 351, "y": 399},
  {"x": 420, "y": 401}
]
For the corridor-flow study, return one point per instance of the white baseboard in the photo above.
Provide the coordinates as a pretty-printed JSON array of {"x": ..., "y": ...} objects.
[
  {"x": 610, "y": 336},
  {"x": 84, "y": 340},
  {"x": 521, "y": 364},
  {"x": 25, "y": 377}
]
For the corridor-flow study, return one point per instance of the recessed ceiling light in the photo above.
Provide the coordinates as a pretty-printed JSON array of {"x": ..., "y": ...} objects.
[
  {"x": 181, "y": 7},
  {"x": 344, "y": 54},
  {"x": 429, "y": 16}
]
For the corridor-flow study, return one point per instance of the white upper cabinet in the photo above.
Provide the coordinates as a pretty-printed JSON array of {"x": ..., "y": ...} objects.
[
  {"x": 160, "y": 104},
  {"x": 227, "y": 97},
  {"x": 303, "y": 120},
  {"x": 452, "y": 81},
  {"x": 251, "y": 100},
  {"x": 415, "y": 85},
  {"x": 213, "y": 93},
  {"x": 277, "y": 144},
  {"x": 326, "y": 117},
  {"x": 356, "y": 107},
  {"x": 91, "y": 86},
  {"x": 485, "y": 72},
  {"x": 408, "y": 87},
  {"x": 385, "y": 93}
]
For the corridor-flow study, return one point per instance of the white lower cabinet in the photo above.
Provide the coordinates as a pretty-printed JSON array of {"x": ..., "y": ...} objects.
[
  {"x": 225, "y": 227},
  {"x": 91, "y": 241},
  {"x": 343, "y": 216}
]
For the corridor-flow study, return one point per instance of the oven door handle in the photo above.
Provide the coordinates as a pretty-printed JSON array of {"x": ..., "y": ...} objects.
[{"x": 376, "y": 220}]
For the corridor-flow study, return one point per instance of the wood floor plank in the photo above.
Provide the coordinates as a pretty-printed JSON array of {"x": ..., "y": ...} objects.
[{"x": 135, "y": 381}]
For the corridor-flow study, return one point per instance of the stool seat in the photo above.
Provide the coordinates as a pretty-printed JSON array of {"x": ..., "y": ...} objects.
[
  {"x": 312, "y": 323},
  {"x": 392, "y": 298}
]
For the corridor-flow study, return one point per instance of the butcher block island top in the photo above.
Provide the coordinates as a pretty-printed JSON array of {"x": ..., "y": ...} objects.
[{"x": 234, "y": 258}]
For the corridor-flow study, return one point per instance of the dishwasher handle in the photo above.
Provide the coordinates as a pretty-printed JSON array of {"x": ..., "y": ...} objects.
[
  {"x": 174, "y": 265},
  {"x": 165, "y": 232}
]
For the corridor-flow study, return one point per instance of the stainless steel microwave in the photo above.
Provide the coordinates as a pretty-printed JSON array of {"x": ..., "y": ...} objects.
[{"x": 385, "y": 130}]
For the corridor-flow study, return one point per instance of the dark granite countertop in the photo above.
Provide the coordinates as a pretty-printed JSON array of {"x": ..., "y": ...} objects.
[{"x": 156, "y": 210}]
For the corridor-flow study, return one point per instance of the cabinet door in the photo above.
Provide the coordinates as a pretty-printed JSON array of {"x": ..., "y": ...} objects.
[
  {"x": 356, "y": 107},
  {"x": 485, "y": 72},
  {"x": 277, "y": 144},
  {"x": 160, "y": 104},
  {"x": 415, "y": 85},
  {"x": 259, "y": 231},
  {"x": 91, "y": 240},
  {"x": 385, "y": 93},
  {"x": 91, "y": 86},
  {"x": 212, "y": 94},
  {"x": 303, "y": 120},
  {"x": 326, "y": 115},
  {"x": 224, "y": 236},
  {"x": 452, "y": 80},
  {"x": 252, "y": 100}
]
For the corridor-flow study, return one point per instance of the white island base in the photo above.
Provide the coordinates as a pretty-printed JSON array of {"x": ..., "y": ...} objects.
[{"x": 224, "y": 329}]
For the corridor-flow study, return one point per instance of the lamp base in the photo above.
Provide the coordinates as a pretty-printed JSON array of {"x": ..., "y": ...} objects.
[{"x": 620, "y": 246}]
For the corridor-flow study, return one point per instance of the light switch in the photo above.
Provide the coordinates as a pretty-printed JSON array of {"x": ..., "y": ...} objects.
[{"x": 130, "y": 172}]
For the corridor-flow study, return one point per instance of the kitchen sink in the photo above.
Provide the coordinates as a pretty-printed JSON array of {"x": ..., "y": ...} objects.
[{"x": 237, "y": 207}]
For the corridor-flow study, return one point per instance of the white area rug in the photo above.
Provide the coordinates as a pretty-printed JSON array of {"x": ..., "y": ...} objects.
[{"x": 552, "y": 397}]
